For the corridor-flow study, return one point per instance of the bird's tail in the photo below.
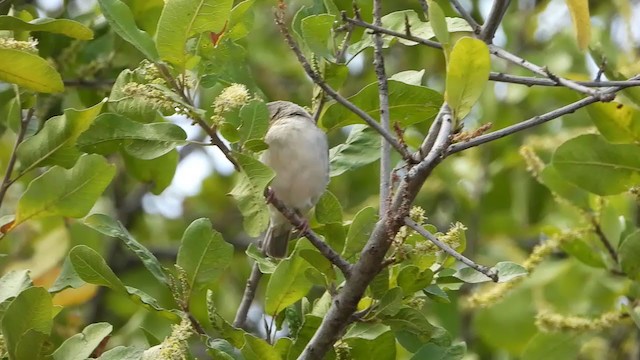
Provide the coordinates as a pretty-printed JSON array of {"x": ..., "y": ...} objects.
[{"x": 276, "y": 241}]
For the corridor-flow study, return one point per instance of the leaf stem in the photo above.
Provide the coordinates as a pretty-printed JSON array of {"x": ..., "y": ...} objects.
[{"x": 7, "y": 181}]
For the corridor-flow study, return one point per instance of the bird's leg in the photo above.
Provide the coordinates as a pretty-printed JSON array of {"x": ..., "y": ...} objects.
[{"x": 303, "y": 227}]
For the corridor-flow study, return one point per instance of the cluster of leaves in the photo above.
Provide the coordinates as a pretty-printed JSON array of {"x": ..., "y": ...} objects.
[{"x": 69, "y": 151}]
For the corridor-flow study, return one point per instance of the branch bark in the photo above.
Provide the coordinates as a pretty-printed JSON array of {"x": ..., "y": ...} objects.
[
  {"x": 248, "y": 296},
  {"x": 383, "y": 96},
  {"x": 493, "y": 21}
]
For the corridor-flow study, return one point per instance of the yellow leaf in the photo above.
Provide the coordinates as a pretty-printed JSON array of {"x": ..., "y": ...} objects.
[{"x": 579, "y": 10}]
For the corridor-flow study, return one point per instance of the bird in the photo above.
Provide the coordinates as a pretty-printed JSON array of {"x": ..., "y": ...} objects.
[{"x": 298, "y": 153}]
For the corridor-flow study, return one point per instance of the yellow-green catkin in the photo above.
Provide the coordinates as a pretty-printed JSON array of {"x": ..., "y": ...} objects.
[
  {"x": 174, "y": 346},
  {"x": 232, "y": 97},
  {"x": 538, "y": 254},
  {"x": 30, "y": 45},
  {"x": 549, "y": 322}
]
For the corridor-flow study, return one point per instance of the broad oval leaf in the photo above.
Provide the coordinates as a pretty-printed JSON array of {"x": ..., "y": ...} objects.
[
  {"x": 110, "y": 227},
  {"x": 92, "y": 268},
  {"x": 111, "y": 132},
  {"x": 158, "y": 172},
  {"x": 553, "y": 346},
  {"x": 362, "y": 147},
  {"x": 29, "y": 71},
  {"x": 182, "y": 19},
  {"x": 80, "y": 346},
  {"x": 122, "y": 353},
  {"x": 55, "y": 143},
  {"x": 467, "y": 74},
  {"x": 249, "y": 193},
  {"x": 287, "y": 284},
  {"x": 66, "y": 27},
  {"x": 439, "y": 24},
  {"x": 359, "y": 231},
  {"x": 408, "y": 104},
  {"x": 316, "y": 32},
  {"x": 31, "y": 312},
  {"x": 328, "y": 209},
  {"x": 254, "y": 118},
  {"x": 616, "y": 122},
  {"x": 123, "y": 23},
  {"x": 70, "y": 193},
  {"x": 594, "y": 164},
  {"x": 203, "y": 253},
  {"x": 13, "y": 283}
]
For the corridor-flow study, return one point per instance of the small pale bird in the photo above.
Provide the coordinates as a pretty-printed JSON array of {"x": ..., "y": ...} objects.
[{"x": 299, "y": 154}]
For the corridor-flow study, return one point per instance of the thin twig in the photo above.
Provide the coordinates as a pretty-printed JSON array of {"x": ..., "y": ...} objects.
[
  {"x": 383, "y": 96},
  {"x": 490, "y": 273},
  {"x": 248, "y": 296},
  {"x": 315, "y": 240},
  {"x": 504, "y": 54},
  {"x": 467, "y": 16},
  {"x": 603, "y": 238},
  {"x": 535, "y": 81},
  {"x": 380, "y": 29},
  {"x": 331, "y": 92},
  {"x": 434, "y": 130},
  {"x": 6, "y": 182},
  {"x": 534, "y": 121},
  {"x": 496, "y": 14}
]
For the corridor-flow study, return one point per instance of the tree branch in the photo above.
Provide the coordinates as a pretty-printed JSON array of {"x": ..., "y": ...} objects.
[
  {"x": 534, "y": 121},
  {"x": 490, "y": 273},
  {"x": 7, "y": 181},
  {"x": 383, "y": 95},
  {"x": 372, "y": 256},
  {"x": 493, "y": 21},
  {"x": 543, "y": 71},
  {"x": 467, "y": 16},
  {"x": 324, "y": 248},
  {"x": 248, "y": 296},
  {"x": 279, "y": 18},
  {"x": 603, "y": 239}
]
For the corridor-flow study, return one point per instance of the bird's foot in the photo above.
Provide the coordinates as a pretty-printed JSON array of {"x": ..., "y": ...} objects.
[
  {"x": 303, "y": 228},
  {"x": 269, "y": 195}
]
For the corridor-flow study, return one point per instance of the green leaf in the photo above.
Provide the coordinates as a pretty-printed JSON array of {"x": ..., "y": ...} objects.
[
  {"x": 29, "y": 71},
  {"x": 181, "y": 19},
  {"x": 437, "y": 352},
  {"x": 436, "y": 293},
  {"x": 553, "y": 346},
  {"x": 122, "y": 22},
  {"x": 617, "y": 165},
  {"x": 32, "y": 345},
  {"x": 411, "y": 320},
  {"x": 111, "y": 132},
  {"x": 80, "y": 346},
  {"x": 309, "y": 327},
  {"x": 13, "y": 283},
  {"x": 150, "y": 303},
  {"x": 359, "y": 232},
  {"x": 559, "y": 186},
  {"x": 583, "y": 248},
  {"x": 220, "y": 349},
  {"x": 390, "y": 303},
  {"x": 29, "y": 314},
  {"x": 328, "y": 209},
  {"x": 110, "y": 227},
  {"x": 362, "y": 147},
  {"x": 380, "y": 284},
  {"x": 629, "y": 253},
  {"x": 316, "y": 32},
  {"x": 411, "y": 279},
  {"x": 287, "y": 284},
  {"x": 366, "y": 346},
  {"x": 68, "y": 278},
  {"x": 136, "y": 108},
  {"x": 267, "y": 266},
  {"x": 92, "y": 268},
  {"x": 467, "y": 74},
  {"x": 408, "y": 105},
  {"x": 122, "y": 353},
  {"x": 411, "y": 77},
  {"x": 579, "y": 10},
  {"x": 55, "y": 144},
  {"x": 439, "y": 25},
  {"x": 258, "y": 349},
  {"x": 508, "y": 271},
  {"x": 203, "y": 253},
  {"x": 249, "y": 193},
  {"x": 70, "y": 193},
  {"x": 616, "y": 122},
  {"x": 255, "y": 122},
  {"x": 158, "y": 172},
  {"x": 66, "y": 27}
]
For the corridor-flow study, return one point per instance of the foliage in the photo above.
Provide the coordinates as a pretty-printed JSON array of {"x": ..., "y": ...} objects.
[{"x": 106, "y": 107}]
